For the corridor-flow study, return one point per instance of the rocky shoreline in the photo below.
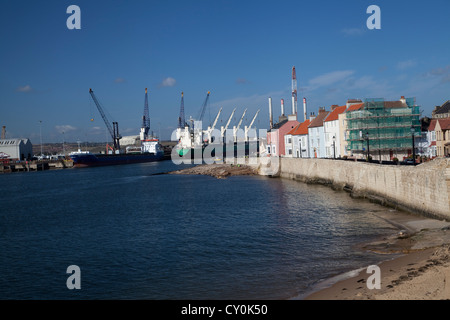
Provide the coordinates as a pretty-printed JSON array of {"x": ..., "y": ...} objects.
[{"x": 219, "y": 171}]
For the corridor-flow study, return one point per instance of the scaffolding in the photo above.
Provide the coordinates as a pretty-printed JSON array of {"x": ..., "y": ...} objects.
[{"x": 383, "y": 126}]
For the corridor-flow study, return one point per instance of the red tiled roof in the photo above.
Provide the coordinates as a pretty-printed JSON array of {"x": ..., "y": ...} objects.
[
  {"x": 394, "y": 104},
  {"x": 355, "y": 107},
  {"x": 302, "y": 128},
  {"x": 432, "y": 125},
  {"x": 444, "y": 123},
  {"x": 335, "y": 113}
]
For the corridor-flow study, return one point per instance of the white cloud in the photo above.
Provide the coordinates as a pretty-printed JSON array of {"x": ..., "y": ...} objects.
[
  {"x": 402, "y": 65},
  {"x": 26, "y": 88},
  {"x": 442, "y": 73},
  {"x": 168, "y": 82},
  {"x": 329, "y": 79},
  {"x": 65, "y": 128}
]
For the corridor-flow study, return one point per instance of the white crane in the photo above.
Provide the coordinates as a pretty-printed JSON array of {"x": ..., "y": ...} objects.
[
  {"x": 210, "y": 129},
  {"x": 217, "y": 118},
  {"x": 251, "y": 123},
  {"x": 236, "y": 128},
  {"x": 247, "y": 129},
  {"x": 223, "y": 129}
]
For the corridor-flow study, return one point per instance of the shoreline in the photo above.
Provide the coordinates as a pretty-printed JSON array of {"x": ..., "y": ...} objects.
[
  {"x": 219, "y": 171},
  {"x": 416, "y": 264},
  {"x": 418, "y": 268}
]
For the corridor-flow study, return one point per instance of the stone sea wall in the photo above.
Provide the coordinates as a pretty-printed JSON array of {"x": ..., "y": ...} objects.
[{"x": 423, "y": 189}]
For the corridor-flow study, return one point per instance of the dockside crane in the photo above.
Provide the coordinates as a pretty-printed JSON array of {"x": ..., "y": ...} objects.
[
  {"x": 224, "y": 129},
  {"x": 240, "y": 121},
  {"x": 210, "y": 129},
  {"x": 203, "y": 108},
  {"x": 114, "y": 129},
  {"x": 236, "y": 128},
  {"x": 145, "y": 119},
  {"x": 181, "y": 118},
  {"x": 254, "y": 118},
  {"x": 217, "y": 118},
  {"x": 247, "y": 129}
]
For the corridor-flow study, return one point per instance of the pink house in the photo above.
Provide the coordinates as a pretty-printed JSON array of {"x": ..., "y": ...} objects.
[{"x": 275, "y": 137}]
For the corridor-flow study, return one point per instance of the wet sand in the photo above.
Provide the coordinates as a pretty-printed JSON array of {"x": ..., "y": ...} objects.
[{"x": 421, "y": 272}]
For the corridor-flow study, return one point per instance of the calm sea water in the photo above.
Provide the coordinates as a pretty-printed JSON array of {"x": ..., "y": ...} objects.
[{"x": 135, "y": 235}]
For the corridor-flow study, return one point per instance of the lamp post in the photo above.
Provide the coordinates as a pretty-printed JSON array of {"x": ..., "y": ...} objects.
[
  {"x": 368, "y": 150},
  {"x": 413, "y": 144},
  {"x": 64, "y": 148},
  {"x": 334, "y": 147},
  {"x": 40, "y": 134}
]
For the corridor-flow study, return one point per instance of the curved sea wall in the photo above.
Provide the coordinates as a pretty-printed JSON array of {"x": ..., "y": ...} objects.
[{"x": 423, "y": 189}]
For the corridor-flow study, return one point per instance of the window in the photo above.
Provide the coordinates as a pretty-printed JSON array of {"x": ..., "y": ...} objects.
[
  {"x": 289, "y": 151},
  {"x": 268, "y": 149},
  {"x": 289, "y": 140}
]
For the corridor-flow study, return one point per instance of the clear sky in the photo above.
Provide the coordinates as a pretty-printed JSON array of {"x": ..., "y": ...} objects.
[{"x": 240, "y": 50}]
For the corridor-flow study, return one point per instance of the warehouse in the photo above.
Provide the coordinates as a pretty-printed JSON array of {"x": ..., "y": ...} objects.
[{"x": 16, "y": 149}]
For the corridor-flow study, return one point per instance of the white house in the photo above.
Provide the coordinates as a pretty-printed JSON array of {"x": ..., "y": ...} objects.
[
  {"x": 332, "y": 132},
  {"x": 431, "y": 139},
  {"x": 299, "y": 140},
  {"x": 316, "y": 135}
]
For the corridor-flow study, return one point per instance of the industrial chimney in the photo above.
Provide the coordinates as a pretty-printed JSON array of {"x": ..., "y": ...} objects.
[
  {"x": 270, "y": 113},
  {"x": 282, "y": 117},
  {"x": 294, "y": 91},
  {"x": 4, "y": 132},
  {"x": 304, "y": 109}
]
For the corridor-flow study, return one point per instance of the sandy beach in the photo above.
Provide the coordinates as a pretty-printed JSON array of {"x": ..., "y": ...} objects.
[{"x": 421, "y": 272}]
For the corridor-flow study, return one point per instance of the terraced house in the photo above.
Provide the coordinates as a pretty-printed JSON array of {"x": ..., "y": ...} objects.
[
  {"x": 442, "y": 130},
  {"x": 383, "y": 130}
]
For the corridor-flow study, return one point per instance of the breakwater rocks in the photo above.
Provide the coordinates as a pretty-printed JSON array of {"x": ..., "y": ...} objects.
[{"x": 219, "y": 171}]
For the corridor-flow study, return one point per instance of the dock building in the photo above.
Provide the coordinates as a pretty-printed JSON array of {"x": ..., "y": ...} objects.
[{"x": 16, "y": 149}]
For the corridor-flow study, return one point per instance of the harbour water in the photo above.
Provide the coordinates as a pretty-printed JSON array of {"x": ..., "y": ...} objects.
[{"x": 135, "y": 235}]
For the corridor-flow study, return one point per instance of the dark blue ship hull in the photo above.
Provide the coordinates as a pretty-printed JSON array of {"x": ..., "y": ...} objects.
[{"x": 92, "y": 160}]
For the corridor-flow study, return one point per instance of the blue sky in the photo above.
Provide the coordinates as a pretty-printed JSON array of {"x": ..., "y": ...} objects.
[{"x": 241, "y": 51}]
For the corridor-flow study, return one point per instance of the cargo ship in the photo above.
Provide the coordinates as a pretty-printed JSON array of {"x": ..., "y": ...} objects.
[{"x": 148, "y": 152}]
